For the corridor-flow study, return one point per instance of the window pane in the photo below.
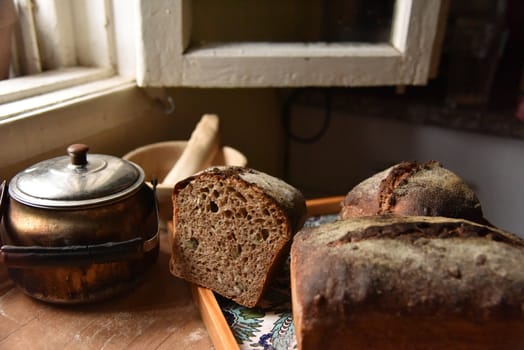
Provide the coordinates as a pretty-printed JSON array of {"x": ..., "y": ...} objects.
[
  {"x": 359, "y": 20},
  {"x": 291, "y": 21}
]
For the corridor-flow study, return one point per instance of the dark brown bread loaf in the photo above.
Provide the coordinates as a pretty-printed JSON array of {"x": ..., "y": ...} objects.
[
  {"x": 392, "y": 282},
  {"x": 410, "y": 188},
  {"x": 233, "y": 227}
]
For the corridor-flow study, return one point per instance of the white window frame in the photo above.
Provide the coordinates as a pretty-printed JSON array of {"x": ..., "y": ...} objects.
[
  {"x": 165, "y": 57},
  {"x": 80, "y": 60}
]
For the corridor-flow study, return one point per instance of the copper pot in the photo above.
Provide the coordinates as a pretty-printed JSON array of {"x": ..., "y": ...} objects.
[{"x": 79, "y": 228}]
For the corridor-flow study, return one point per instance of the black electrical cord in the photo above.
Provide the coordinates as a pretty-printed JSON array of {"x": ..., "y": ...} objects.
[{"x": 286, "y": 118}]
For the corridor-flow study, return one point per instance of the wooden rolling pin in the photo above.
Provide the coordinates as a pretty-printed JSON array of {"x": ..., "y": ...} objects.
[{"x": 199, "y": 152}]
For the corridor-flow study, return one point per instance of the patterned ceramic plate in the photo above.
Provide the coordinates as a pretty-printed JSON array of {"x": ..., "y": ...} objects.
[{"x": 271, "y": 325}]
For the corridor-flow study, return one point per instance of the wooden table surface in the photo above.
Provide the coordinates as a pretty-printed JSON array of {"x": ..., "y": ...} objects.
[{"x": 158, "y": 314}]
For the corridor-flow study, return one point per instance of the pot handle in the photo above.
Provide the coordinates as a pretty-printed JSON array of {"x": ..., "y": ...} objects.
[{"x": 34, "y": 256}]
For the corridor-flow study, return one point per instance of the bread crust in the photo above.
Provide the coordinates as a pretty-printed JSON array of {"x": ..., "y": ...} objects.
[
  {"x": 407, "y": 282},
  {"x": 410, "y": 188}
]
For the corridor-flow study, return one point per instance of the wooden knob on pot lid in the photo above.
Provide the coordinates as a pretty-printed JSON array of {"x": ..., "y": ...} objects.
[{"x": 78, "y": 153}]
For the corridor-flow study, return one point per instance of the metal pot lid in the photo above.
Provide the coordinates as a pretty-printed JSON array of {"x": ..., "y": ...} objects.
[{"x": 79, "y": 180}]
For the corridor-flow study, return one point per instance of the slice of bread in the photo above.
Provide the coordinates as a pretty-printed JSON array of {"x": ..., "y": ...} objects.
[{"x": 232, "y": 228}]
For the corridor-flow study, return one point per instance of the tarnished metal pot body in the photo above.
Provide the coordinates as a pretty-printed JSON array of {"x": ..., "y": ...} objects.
[{"x": 76, "y": 233}]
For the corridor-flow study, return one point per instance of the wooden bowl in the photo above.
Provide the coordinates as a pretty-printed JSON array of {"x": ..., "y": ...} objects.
[{"x": 157, "y": 159}]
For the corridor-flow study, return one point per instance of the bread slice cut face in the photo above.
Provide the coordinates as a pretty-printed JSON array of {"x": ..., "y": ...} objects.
[{"x": 232, "y": 227}]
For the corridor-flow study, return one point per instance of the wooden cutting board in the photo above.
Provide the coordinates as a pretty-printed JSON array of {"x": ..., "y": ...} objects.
[{"x": 158, "y": 314}]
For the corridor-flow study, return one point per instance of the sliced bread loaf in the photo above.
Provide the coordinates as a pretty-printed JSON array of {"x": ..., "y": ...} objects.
[{"x": 232, "y": 227}]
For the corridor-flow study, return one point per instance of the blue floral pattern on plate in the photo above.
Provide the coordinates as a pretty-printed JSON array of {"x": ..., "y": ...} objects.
[{"x": 270, "y": 326}]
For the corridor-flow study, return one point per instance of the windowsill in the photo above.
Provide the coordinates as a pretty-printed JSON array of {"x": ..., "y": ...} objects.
[
  {"x": 294, "y": 50},
  {"x": 22, "y": 87},
  {"x": 43, "y": 102}
]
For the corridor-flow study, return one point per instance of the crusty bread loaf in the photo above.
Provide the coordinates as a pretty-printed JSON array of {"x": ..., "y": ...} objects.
[
  {"x": 233, "y": 227},
  {"x": 410, "y": 188},
  {"x": 392, "y": 282}
]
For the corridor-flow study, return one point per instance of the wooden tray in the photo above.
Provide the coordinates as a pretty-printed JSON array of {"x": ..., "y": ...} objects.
[
  {"x": 212, "y": 315},
  {"x": 158, "y": 314}
]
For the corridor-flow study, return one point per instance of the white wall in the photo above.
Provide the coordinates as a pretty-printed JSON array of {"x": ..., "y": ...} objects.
[{"x": 356, "y": 147}]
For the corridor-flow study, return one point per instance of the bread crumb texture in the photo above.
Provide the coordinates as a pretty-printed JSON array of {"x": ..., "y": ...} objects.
[{"x": 228, "y": 232}]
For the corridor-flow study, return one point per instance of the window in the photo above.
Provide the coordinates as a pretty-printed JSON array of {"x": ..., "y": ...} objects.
[
  {"x": 67, "y": 50},
  {"x": 264, "y": 43},
  {"x": 58, "y": 44},
  {"x": 65, "y": 44}
]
